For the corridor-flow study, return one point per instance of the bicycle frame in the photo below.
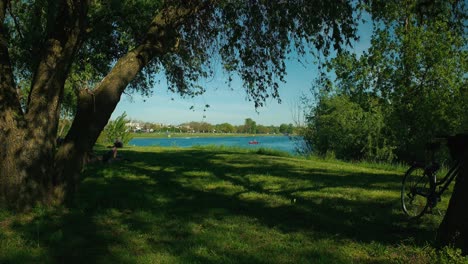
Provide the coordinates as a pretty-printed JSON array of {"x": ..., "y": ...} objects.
[
  {"x": 445, "y": 182},
  {"x": 425, "y": 183}
]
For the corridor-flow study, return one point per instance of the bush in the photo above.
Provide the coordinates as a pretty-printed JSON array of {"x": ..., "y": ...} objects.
[
  {"x": 338, "y": 125},
  {"x": 449, "y": 255},
  {"x": 116, "y": 130}
]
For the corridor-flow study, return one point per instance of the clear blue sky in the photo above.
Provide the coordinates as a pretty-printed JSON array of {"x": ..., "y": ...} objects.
[{"x": 229, "y": 105}]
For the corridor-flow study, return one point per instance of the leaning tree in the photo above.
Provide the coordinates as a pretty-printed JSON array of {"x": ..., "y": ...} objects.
[{"x": 95, "y": 50}]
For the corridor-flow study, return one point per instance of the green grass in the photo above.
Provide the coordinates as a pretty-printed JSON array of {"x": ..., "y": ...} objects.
[{"x": 224, "y": 205}]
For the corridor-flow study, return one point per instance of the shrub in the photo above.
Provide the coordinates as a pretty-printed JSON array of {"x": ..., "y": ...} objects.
[
  {"x": 338, "y": 125},
  {"x": 116, "y": 130}
]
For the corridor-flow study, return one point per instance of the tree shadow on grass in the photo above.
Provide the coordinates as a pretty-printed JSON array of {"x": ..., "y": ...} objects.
[
  {"x": 335, "y": 215},
  {"x": 154, "y": 203},
  {"x": 380, "y": 218}
]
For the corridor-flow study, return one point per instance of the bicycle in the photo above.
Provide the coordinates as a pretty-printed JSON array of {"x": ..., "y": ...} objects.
[{"x": 420, "y": 190}]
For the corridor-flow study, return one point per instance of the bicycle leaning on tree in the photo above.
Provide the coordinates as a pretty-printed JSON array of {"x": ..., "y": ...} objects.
[{"x": 421, "y": 190}]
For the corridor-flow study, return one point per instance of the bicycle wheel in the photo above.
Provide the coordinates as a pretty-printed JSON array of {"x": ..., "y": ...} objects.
[{"x": 415, "y": 191}]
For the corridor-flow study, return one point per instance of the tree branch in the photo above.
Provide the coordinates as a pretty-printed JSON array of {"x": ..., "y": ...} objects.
[
  {"x": 8, "y": 97},
  {"x": 161, "y": 36},
  {"x": 15, "y": 20},
  {"x": 161, "y": 39},
  {"x": 63, "y": 39}
]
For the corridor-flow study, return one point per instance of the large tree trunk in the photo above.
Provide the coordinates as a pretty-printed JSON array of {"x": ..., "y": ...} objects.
[
  {"x": 28, "y": 139},
  {"x": 94, "y": 110},
  {"x": 453, "y": 231},
  {"x": 10, "y": 118},
  {"x": 31, "y": 168},
  {"x": 95, "y": 106}
]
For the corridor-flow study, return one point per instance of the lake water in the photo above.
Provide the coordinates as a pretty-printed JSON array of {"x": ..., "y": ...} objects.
[{"x": 282, "y": 143}]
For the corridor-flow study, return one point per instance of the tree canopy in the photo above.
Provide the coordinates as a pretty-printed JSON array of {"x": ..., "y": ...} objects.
[
  {"x": 85, "y": 54},
  {"x": 412, "y": 78},
  {"x": 249, "y": 38}
]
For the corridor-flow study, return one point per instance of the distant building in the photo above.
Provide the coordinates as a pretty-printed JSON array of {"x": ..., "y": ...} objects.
[{"x": 135, "y": 127}]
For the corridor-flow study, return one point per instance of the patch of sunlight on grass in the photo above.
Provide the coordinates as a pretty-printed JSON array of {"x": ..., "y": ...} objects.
[
  {"x": 237, "y": 165},
  {"x": 380, "y": 194},
  {"x": 137, "y": 178},
  {"x": 223, "y": 186},
  {"x": 156, "y": 257},
  {"x": 198, "y": 174},
  {"x": 268, "y": 200},
  {"x": 341, "y": 166},
  {"x": 329, "y": 193},
  {"x": 355, "y": 193},
  {"x": 169, "y": 169},
  {"x": 277, "y": 183},
  {"x": 210, "y": 184},
  {"x": 243, "y": 240}
]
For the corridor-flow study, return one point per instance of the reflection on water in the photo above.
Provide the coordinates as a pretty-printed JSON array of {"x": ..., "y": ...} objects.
[{"x": 282, "y": 143}]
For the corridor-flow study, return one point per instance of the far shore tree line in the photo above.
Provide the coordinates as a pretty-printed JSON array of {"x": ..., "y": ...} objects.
[
  {"x": 122, "y": 128},
  {"x": 249, "y": 127}
]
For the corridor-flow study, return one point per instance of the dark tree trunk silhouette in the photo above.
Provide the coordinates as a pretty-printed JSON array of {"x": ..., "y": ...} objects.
[
  {"x": 453, "y": 231},
  {"x": 28, "y": 138}
]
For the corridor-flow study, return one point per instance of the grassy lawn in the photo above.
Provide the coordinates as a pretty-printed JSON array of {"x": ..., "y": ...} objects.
[{"x": 221, "y": 205}]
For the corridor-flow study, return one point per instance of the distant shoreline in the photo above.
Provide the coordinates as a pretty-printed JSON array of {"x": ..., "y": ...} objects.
[{"x": 199, "y": 135}]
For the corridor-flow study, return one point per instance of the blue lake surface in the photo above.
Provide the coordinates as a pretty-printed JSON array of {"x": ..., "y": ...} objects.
[{"x": 283, "y": 143}]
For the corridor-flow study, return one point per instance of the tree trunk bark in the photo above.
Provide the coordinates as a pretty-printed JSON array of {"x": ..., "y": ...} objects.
[
  {"x": 35, "y": 169},
  {"x": 94, "y": 110},
  {"x": 28, "y": 139},
  {"x": 95, "y": 107},
  {"x": 10, "y": 116},
  {"x": 453, "y": 231}
]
